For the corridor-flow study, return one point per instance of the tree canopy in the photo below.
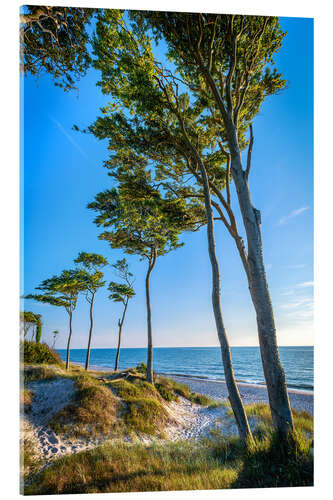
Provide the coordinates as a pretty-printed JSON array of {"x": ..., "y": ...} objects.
[
  {"x": 61, "y": 291},
  {"x": 122, "y": 292},
  {"x": 54, "y": 40},
  {"x": 89, "y": 273},
  {"x": 142, "y": 219}
]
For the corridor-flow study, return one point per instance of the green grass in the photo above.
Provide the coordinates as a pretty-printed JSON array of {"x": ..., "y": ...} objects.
[
  {"x": 170, "y": 390},
  {"x": 42, "y": 372},
  {"x": 219, "y": 463},
  {"x": 303, "y": 421}
]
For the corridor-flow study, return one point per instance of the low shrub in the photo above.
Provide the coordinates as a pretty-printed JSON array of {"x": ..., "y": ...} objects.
[
  {"x": 38, "y": 353},
  {"x": 141, "y": 368}
]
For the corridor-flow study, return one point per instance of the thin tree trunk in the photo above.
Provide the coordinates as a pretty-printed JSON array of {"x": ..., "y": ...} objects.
[
  {"x": 90, "y": 330},
  {"x": 120, "y": 324},
  {"x": 69, "y": 339},
  {"x": 273, "y": 371},
  {"x": 150, "y": 377},
  {"x": 234, "y": 396}
]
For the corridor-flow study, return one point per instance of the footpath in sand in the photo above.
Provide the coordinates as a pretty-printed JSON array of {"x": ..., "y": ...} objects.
[{"x": 191, "y": 421}]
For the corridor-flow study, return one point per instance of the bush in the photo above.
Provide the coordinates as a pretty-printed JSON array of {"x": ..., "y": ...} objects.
[
  {"x": 38, "y": 353},
  {"x": 142, "y": 368},
  {"x": 93, "y": 413}
]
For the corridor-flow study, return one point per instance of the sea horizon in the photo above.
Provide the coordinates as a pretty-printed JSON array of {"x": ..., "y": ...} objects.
[{"x": 205, "y": 362}]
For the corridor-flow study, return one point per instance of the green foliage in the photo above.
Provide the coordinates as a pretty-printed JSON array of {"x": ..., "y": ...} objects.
[
  {"x": 38, "y": 353},
  {"x": 142, "y": 368},
  {"x": 62, "y": 290},
  {"x": 236, "y": 51},
  {"x": 91, "y": 261},
  {"x": 54, "y": 40},
  {"x": 122, "y": 292},
  {"x": 89, "y": 272},
  {"x": 143, "y": 220},
  {"x": 28, "y": 320}
]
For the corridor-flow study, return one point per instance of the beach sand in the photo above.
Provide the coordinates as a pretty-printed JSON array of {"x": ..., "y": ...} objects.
[{"x": 250, "y": 393}]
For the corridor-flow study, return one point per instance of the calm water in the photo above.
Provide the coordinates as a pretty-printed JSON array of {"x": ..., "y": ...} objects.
[{"x": 206, "y": 362}]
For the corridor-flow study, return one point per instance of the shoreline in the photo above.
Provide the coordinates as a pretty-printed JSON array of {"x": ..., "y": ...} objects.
[{"x": 292, "y": 390}]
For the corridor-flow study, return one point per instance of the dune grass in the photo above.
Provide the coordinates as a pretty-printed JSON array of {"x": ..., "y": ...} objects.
[
  {"x": 29, "y": 460},
  {"x": 170, "y": 390},
  {"x": 26, "y": 397},
  {"x": 94, "y": 411},
  {"x": 217, "y": 463}
]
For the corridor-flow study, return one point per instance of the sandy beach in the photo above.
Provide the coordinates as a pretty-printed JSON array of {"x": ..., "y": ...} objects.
[{"x": 300, "y": 400}]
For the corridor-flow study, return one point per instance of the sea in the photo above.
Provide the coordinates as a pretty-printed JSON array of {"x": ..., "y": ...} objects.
[{"x": 206, "y": 363}]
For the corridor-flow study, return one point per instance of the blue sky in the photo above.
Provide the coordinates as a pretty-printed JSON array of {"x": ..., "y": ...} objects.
[{"x": 62, "y": 171}]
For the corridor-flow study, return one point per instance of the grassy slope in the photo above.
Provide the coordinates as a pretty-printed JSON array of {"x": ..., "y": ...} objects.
[
  {"x": 125, "y": 404},
  {"x": 218, "y": 463}
]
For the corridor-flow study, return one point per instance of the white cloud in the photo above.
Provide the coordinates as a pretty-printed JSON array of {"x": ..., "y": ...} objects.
[
  {"x": 292, "y": 214},
  {"x": 305, "y": 284}
]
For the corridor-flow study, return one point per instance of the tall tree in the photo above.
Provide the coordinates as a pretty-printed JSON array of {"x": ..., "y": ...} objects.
[
  {"x": 121, "y": 292},
  {"x": 55, "y": 40},
  {"x": 61, "y": 291},
  {"x": 226, "y": 61},
  {"x": 91, "y": 263},
  {"x": 168, "y": 135},
  {"x": 144, "y": 223}
]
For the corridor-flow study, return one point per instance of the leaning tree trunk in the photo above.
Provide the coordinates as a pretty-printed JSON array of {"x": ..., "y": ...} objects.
[
  {"x": 120, "y": 324},
  {"x": 69, "y": 339},
  {"x": 273, "y": 371},
  {"x": 90, "y": 331},
  {"x": 150, "y": 377},
  {"x": 234, "y": 396}
]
